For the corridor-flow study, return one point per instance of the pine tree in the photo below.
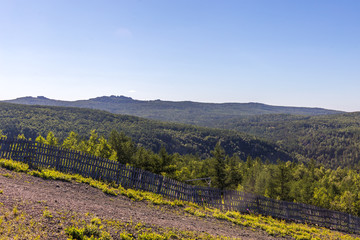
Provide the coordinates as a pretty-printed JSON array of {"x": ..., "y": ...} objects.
[
  {"x": 219, "y": 167},
  {"x": 51, "y": 139},
  {"x": 71, "y": 142},
  {"x": 40, "y": 139},
  {"x": 2, "y": 135},
  {"x": 124, "y": 147}
]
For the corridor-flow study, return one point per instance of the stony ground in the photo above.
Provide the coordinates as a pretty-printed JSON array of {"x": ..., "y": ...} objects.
[{"x": 32, "y": 195}]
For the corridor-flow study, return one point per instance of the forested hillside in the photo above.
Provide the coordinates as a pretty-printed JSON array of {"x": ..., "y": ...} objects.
[
  {"x": 308, "y": 183},
  {"x": 176, "y": 138},
  {"x": 329, "y": 137},
  {"x": 204, "y": 114},
  {"x": 333, "y": 140}
]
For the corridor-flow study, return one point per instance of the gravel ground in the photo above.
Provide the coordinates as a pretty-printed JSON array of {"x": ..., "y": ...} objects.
[{"x": 33, "y": 194}]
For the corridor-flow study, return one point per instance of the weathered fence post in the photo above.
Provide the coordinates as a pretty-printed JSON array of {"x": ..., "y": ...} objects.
[
  {"x": 94, "y": 166},
  {"x": 349, "y": 222},
  {"x": 160, "y": 184},
  {"x": 118, "y": 173},
  {"x": 5, "y": 149},
  {"x": 258, "y": 204},
  {"x": 1, "y": 146},
  {"x": 58, "y": 160},
  {"x": 27, "y": 155},
  {"x": 222, "y": 200},
  {"x": 196, "y": 197}
]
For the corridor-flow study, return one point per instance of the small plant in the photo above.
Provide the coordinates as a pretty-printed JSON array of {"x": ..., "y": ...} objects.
[
  {"x": 15, "y": 211},
  {"x": 91, "y": 230},
  {"x": 194, "y": 212},
  {"x": 7, "y": 175},
  {"x": 96, "y": 221},
  {"x": 75, "y": 233},
  {"x": 105, "y": 236},
  {"x": 126, "y": 236},
  {"x": 151, "y": 236},
  {"x": 47, "y": 214}
]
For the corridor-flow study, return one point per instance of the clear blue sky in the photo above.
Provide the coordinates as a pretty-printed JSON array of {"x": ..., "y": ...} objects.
[{"x": 288, "y": 52}]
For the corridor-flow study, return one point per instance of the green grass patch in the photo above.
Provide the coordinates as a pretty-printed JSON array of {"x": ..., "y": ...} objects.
[
  {"x": 16, "y": 224},
  {"x": 14, "y": 165}
]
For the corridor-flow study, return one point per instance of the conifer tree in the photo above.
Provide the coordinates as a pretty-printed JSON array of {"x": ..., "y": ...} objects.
[
  {"x": 71, "y": 142},
  {"x": 51, "y": 139},
  {"x": 219, "y": 166},
  {"x": 124, "y": 147},
  {"x": 40, "y": 139},
  {"x": 2, "y": 135}
]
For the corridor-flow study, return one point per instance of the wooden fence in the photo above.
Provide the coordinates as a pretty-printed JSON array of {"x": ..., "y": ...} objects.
[{"x": 44, "y": 156}]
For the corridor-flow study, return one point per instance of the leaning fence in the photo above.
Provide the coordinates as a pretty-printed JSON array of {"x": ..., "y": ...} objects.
[{"x": 45, "y": 156}]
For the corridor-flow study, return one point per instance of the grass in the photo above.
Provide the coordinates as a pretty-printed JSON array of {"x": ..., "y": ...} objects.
[
  {"x": 280, "y": 228},
  {"x": 16, "y": 224},
  {"x": 106, "y": 229}
]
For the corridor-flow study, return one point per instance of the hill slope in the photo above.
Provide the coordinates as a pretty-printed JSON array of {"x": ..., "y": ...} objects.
[
  {"x": 204, "y": 114},
  {"x": 49, "y": 207},
  {"x": 329, "y": 137},
  {"x": 180, "y": 138},
  {"x": 34, "y": 208},
  {"x": 332, "y": 140}
]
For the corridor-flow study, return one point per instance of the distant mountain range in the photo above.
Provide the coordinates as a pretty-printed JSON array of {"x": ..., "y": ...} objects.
[
  {"x": 204, "y": 114},
  {"x": 179, "y": 138}
]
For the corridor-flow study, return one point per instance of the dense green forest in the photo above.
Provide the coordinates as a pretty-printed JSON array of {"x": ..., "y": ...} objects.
[
  {"x": 203, "y": 114},
  {"x": 309, "y": 183},
  {"x": 333, "y": 140},
  {"x": 176, "y": 138}
]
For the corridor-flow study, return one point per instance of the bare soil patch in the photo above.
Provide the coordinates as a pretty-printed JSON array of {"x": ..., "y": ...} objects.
[{"x": 33, "y": 194}]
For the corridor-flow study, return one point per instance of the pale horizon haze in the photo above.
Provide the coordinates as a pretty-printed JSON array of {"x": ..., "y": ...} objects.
[{"x": 301, "y": 53}]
